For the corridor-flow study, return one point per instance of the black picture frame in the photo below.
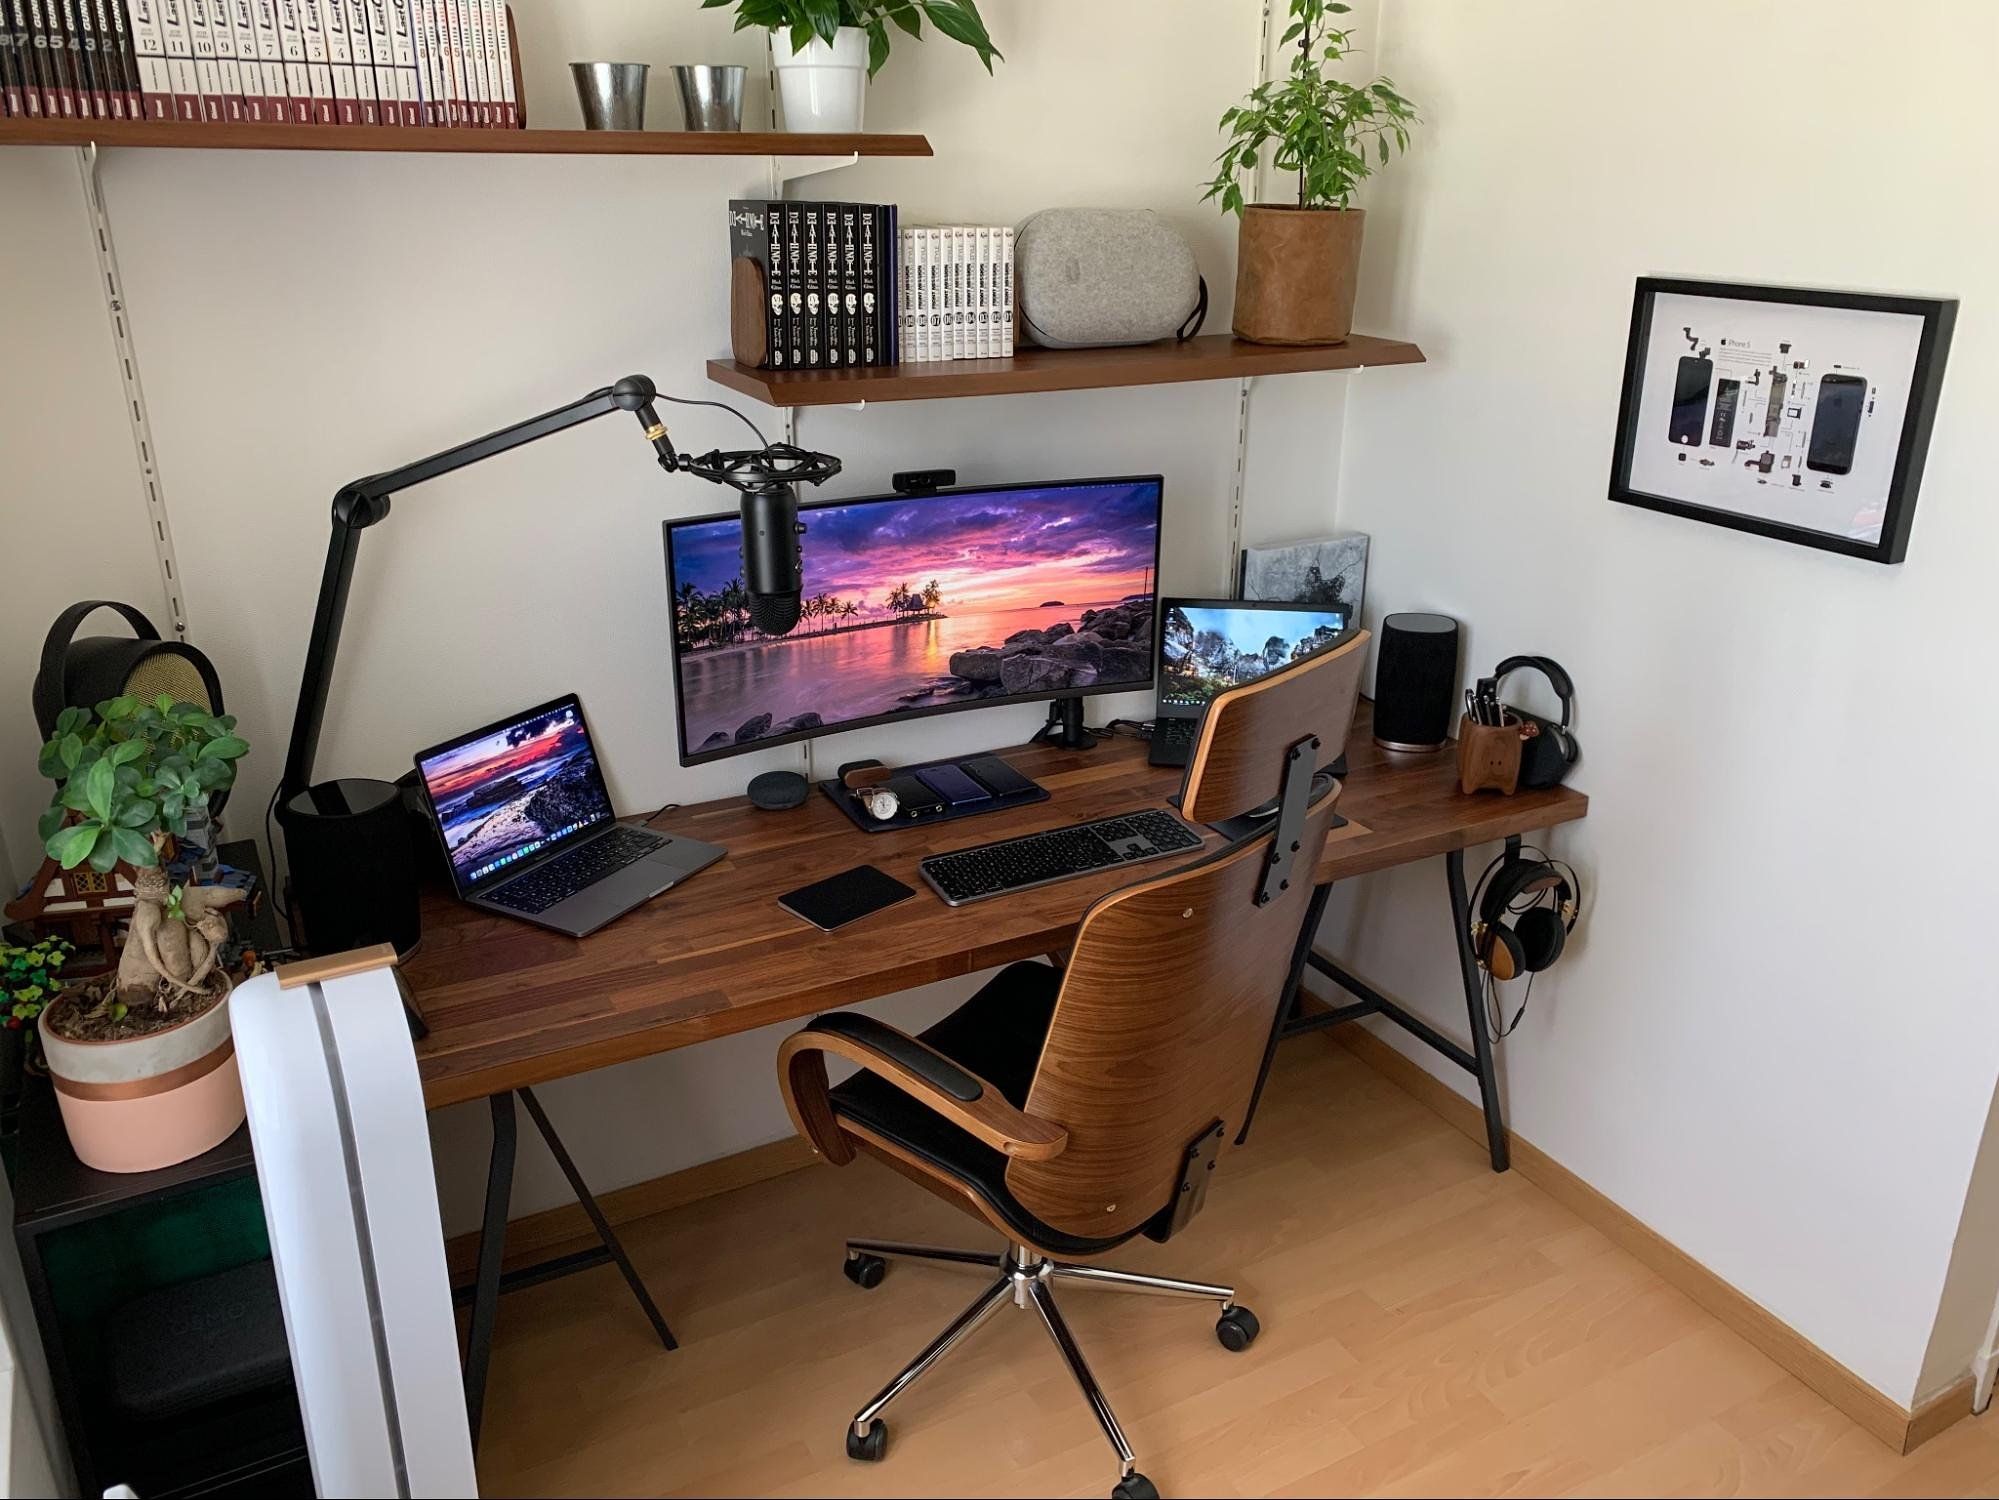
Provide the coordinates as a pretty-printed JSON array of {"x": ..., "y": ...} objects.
[{"x": 1939, "y": 316}]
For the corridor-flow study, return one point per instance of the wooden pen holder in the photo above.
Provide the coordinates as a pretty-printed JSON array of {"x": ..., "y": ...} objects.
[{"x": 1489, "y": 754}]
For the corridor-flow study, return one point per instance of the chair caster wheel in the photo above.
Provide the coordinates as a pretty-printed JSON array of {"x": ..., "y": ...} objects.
[
  {"x": 1135, "y": 1486},
  {"x": 865, "y": 1271},
  {"x": 1237, "y": 1329},
  {"x": 868, "y": 1449}
]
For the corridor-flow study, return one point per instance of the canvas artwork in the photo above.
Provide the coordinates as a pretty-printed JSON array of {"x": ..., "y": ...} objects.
[{"x": 1320, "y": 570}]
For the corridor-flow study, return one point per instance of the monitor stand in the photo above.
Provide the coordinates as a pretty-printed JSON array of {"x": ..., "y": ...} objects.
[{"x": 1065, "y": 726}]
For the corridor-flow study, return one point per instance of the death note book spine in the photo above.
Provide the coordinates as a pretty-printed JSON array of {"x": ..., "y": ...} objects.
[
  {"x": 794, "y": 281},
  {"x": 752, "y": 239},
  {"x": 815, "y": 288},
  {"x": 845, "y": 282},
  {"x": 873, "y": 217}
]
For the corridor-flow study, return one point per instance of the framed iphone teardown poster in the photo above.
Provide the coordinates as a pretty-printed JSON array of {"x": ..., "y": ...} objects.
[{"x": 1795, "y": 414}]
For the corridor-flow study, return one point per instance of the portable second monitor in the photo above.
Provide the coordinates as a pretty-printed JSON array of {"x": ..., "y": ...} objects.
[{"x": 918, "y": 605}]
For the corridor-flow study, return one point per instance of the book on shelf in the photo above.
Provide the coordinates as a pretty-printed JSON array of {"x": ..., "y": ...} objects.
[
  {"x": 956, "y": 283},
  {"x": 301, "y": 62},
  {"x": 813, "y": 286}
]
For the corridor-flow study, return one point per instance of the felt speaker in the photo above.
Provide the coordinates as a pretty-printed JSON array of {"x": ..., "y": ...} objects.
[
  {"x": 1415, "y": 681},
  {"x": 86, "y": 672}
]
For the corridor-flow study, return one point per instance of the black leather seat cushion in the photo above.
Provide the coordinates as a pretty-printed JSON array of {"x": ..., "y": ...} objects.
[{"x": 998, "y": 1035}]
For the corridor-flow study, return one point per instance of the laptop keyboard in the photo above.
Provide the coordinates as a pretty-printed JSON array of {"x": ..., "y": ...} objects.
[{"x": 565, "y": 875}]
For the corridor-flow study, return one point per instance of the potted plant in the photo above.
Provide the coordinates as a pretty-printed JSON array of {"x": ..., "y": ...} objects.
[
  {"x": 30, "y": 975},
  {"x": 141, "y": 1059},
  {"x": 825, "y": 51},
  {"x": 1297, "y": 263}
]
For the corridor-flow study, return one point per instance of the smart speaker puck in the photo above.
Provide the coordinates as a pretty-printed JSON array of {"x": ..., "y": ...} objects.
[{"x": 774, "y": 791}]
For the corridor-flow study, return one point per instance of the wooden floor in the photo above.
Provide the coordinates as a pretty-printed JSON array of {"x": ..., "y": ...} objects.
[{"x": 1429, "y": 1329}]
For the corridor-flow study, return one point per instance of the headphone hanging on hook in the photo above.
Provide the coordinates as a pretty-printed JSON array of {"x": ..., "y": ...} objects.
[{"x": 1523, "y": 907}]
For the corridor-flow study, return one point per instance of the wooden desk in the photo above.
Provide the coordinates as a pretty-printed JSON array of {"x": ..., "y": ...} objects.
[{"x": 512, "y": 1005}]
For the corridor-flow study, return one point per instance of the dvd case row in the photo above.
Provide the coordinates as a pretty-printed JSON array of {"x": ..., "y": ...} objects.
[
  {"x": 302, "y": 62},
  {"x": 955, "y": 292},
  {"x": 813, "y": 284}
]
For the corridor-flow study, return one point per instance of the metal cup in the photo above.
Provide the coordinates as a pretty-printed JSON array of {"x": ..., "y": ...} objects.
[
  {"x": 613, "y": 95},
  {"x": 711, "y": 97}
]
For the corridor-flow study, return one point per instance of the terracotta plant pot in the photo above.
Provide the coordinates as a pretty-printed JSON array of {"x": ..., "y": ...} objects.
[
  {"x": 149, "y": 1101},
  {"x": 1296, "y": 270}
]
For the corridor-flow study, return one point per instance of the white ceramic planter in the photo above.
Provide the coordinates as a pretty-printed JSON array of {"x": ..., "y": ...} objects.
[
  {"x": 823, "y": 89},
  {"x": 137, "y": 1105}
]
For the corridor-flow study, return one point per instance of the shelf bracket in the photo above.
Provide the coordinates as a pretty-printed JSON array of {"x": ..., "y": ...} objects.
[
  {"x": 112, "y": 284},
  {"x": 791, "y": 168}
]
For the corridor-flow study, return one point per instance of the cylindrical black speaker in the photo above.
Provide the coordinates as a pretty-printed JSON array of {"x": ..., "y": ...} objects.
[
  {"x": 1415, "y": 681},
  {"x": 353, "y": 869}
]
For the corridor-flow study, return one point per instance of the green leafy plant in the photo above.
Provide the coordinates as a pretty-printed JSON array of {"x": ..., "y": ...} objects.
[
  {"x": 128, "y": 774},
  {"x": 1330, "y": 133},
  {"x": 804, "y": 19},
  {"x": 29, "y": 979}
]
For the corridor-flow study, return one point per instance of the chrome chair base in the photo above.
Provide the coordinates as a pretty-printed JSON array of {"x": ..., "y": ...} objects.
[{"x": 1026, "y": 1278}]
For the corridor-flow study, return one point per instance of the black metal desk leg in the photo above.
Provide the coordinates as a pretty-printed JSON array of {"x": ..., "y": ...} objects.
[
  {"x": 598, "y": 1222},
  {"x": 492, "y": 1245},
  {"x": 1481, "y": 1038},
  {"x": 1288, "y": 1003}
]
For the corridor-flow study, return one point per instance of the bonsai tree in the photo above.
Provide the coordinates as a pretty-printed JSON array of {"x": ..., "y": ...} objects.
[
  {"x": 128, "y": 774},
  {"x": 1330, "y": 133},
  {"x": 802, "y": 20}
]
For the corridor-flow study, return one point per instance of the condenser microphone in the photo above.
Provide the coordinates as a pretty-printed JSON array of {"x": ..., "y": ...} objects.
[{"x": 773, "y": 565}]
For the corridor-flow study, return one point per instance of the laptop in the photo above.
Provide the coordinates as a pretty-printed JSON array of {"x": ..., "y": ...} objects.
[
  {"x": 1207, "y": 646},
  {"x": 527, "y": 825}
]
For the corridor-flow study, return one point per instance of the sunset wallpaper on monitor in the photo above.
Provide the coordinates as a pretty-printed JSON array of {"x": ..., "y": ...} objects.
[{"x": 919, "y": 603}]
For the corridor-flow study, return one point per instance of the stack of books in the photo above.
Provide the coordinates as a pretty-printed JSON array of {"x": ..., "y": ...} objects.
[
  {"x": 956, "y": 292},
  {"x": 813, "y": 285},
  {"x": 231, "y": 62}
]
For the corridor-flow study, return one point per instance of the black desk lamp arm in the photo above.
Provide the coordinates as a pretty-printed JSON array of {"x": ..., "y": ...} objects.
[{"x": 364, "y": 502}]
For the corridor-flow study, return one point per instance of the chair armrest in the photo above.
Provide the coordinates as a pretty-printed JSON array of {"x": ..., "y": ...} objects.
[{"x": 953, "y": 1091}]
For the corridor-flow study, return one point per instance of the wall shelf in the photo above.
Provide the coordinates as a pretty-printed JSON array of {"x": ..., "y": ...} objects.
[
  {"x": 185, "y": 136},
  {"x": 1211, "y": 357}
]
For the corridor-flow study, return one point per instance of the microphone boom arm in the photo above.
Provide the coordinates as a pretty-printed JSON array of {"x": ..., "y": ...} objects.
[{"x": 365, "y": 502}]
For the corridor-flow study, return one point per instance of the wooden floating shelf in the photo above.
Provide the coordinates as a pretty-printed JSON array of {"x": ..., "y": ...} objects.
[
  {"x": 1211, "y": 357},
  {"x": 181, "y": 135}
]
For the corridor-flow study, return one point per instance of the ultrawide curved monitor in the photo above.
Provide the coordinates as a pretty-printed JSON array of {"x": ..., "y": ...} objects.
[{"x": 918, "y": 605}]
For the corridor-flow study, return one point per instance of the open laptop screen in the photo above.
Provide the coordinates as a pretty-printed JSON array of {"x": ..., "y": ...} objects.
[
  {"x": 1208, "y": 646},
  {"x": 507, "y": 792}
]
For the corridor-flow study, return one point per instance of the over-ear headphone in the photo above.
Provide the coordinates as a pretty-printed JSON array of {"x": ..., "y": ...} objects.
[
  {"x": 1546, "y": 757},
  {"x": 1526, "y": 906}
]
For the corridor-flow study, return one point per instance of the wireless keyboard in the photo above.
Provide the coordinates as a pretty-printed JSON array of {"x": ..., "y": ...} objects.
[
  {"x": 1060, "y": 854},
  {"x": 569, "y": 873}
]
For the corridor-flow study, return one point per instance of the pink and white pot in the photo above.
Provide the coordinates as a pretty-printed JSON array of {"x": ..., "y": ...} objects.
[{"x": 149, "y": 1101}]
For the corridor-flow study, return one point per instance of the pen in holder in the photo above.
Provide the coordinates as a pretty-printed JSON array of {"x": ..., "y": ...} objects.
[{"x": 1489, "y": 754}]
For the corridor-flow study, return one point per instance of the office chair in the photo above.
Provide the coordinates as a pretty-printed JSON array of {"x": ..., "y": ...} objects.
[{"x": 1072, "y": 1108}]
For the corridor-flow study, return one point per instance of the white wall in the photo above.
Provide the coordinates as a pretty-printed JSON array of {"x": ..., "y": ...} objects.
[
  {"x": 1773, "y": 1041},
  {"x": 72, "y": 511},
  {"x": 304, "y": 319}
]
